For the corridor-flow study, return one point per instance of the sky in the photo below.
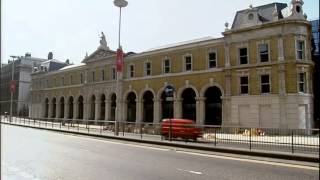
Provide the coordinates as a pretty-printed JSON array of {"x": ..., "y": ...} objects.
[{"x": 72, "y": 28}]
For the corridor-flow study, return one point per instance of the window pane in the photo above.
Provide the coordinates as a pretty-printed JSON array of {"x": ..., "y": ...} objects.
[
  {"x": 301, "y": 87},
  {"x": 300, "y": 55},
  {"x": 243, "y": 60},
  {"x": 301, "y": 77},
  {"x": 244, "y": 89},
  {"x": 243, "y": 80},
  {"x": 212, "y": 56},
  {"x": 188, "y": 67},
  {"x": 264, "y": 79},
  {"x": 188, "y": 59},
  {"x": 243, "y": 51},
  {"x": 265, "y": 88},
  {"x": 212, "y": 64},
  {"x": 166, "y": 62},
  {"x": 264, "y": 57},
  {"x": 263, "y": 50}
]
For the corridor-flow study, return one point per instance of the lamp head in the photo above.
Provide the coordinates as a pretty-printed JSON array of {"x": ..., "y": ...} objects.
[{"x": 120, "y": 3}]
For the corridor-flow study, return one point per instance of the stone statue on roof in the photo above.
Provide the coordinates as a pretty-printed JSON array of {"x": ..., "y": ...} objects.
[{"x": 103, "y": 42}]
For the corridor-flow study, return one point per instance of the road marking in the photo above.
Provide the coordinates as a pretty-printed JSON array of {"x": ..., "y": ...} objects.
[
  {"x": 193, "y": 172},
  {"x": 251, "y": 160},
  {"x": 120, "y": 143}
]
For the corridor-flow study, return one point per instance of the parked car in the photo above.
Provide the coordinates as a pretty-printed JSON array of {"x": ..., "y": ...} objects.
[{"x": 180, "y": 128}]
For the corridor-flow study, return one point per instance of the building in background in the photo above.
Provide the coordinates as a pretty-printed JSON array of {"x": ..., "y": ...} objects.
[
  {"x": 257, "y": 75},
  {"x": 23, "y": 67},
  {"x": 316, "y": 75}
]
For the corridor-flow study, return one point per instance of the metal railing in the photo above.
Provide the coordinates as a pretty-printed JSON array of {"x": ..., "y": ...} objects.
[{"x": 266, "y": 139}]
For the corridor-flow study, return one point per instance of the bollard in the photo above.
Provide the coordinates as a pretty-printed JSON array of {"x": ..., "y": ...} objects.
[
  {"x": 123, "y": 126},
  {"x": 116, "y": 130},
  {"x": 141, "y": 131},
  {"x": 170, "y": 130},
  {"x": 215, "y": 137},
  {"x": 250, "y": 139},
  {"x": 292, "y": 147}
]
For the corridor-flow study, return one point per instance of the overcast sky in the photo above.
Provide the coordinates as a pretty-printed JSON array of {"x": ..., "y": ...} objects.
[{"x": 70, "y": 28}]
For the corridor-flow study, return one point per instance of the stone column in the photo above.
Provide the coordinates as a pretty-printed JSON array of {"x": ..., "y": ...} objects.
[
  {"x": 97, "y": 109},
  {"x": 226, "y": 112},
  {"x": 66, "y": 111},
  {"x": 75, "y": 110},
  {"x": 200, "y": 104},
  {"x": 156, "y": 110},
  {"x": 107, "y": 109},
  {"x": 85, "y": 110},
  {"x": 119, "y": 111},
  {"x": 280, "y": 49},
  {"x": 226, "y": 101},
  {"x": 177, "y": 109},
  {"x": 282, "y": 94},
  {"x": 227, "y": 56},
  {"x": 44, "y": 110},
  {"x": 139, "y": 111},
  {"x": 58, "y": 110},
  {"x": 50, "y": 110}
]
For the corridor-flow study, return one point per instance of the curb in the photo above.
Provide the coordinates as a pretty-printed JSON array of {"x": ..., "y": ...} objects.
[{"x": 186, "y": 146}]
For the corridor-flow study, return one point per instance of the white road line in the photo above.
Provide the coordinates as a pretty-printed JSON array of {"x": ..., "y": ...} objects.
[
  {"x": 251, "y": 160},
  {"x": 193, "y": 172},
  {"x": 119, "y": 143}
]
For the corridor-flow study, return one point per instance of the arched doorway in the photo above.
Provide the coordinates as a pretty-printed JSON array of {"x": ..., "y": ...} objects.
[
  {"x": 113, "y": 106},
  {"x": 70, "y": 103},
  {"x": 54, "y": 107},
  {"x": 131, "y": 107},
  {"x": 189, "y": 104},
  {"x": 80, "y": 107},
  {"x": 148, "y": 106},
  {"x": 92, "y": 106},
  {"x": 166, "y": 107},
  {"x": 46, "y": 110},
  {"x": 102, "y": 107},
  {"x": 213, "y": 114},
  {"x": 61, "y": 107}
]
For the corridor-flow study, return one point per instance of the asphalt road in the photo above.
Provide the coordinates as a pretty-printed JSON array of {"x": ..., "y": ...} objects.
[{"x": 38, "y": 154}]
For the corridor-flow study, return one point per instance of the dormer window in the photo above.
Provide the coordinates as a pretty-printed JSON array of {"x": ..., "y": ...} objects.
[
  {"x": 250, "y": 16},
  {"x": 298, "y": 9}
]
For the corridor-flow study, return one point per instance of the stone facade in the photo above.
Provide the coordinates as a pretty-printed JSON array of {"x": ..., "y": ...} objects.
[{"x": 256, "y": 75}]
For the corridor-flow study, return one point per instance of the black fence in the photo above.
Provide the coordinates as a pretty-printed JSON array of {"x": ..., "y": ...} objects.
[{"x": 265, "y": 139}]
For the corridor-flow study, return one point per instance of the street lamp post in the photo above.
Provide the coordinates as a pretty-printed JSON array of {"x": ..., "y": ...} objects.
[
  {"x": 11, "y": 89},
  {"x": 119, "y": 60}
]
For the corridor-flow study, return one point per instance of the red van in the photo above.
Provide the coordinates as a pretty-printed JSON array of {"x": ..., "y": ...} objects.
[{"x": 180, "y": 128}]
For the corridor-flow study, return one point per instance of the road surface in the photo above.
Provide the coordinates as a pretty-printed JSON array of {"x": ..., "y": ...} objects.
[{"x": 38, "y": 154}]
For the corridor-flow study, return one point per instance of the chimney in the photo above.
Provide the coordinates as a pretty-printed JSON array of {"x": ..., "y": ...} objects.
[{"x": 50, "y": 55}]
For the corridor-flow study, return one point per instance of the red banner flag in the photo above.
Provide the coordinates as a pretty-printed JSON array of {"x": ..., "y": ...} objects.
[
  {"x": 13, "y": 86},
  {"x": 119, "y": 59}
]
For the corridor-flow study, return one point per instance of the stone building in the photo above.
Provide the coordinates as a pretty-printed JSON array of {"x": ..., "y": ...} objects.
[
  {"x": 23, "y": 67},
  {"x": 258, "y": 74}
]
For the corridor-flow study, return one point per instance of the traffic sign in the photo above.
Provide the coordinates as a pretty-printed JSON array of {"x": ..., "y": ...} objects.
[{"x": 169, "y": 90}]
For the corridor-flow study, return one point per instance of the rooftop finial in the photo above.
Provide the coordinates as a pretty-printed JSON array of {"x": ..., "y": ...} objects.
[
  {"x": 103, "y": 42},
  {"x": 250, "y": 6},
  {"x": 226, "y": 25}
]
